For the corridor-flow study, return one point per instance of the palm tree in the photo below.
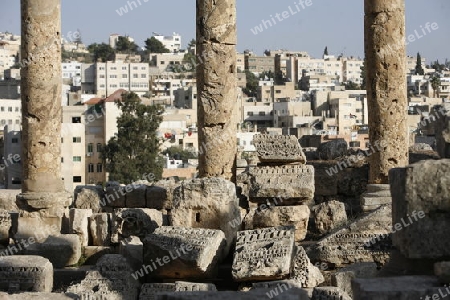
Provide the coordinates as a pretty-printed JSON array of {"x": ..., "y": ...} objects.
[{"x": 435, "y": 84}]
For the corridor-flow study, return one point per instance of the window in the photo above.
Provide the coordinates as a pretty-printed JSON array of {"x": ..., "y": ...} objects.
[
  {"x": 14, "y": 140},
  {"x": 99, "y": 168},
  {"x": 76, "y": 119},
  {"x": 90, "y": 148},
  {"x": 102, "y": 76},
  {"x": 135, "y": 75},
  {"x": 113, "y": 68},
  {"x": 76, "y": 178},
  {"x": 162, "y": 62},
  {"x": 143, "y": 75},
  {"x": 77, "y": 158},
  {"x": 124, "y": 75},
  {"x": 62, "y": 159},
  {"x": 17, "y": 122},
  {"x": 16, "y": 109},
  {"x": 16, "y": 180},
  {"x": 76, "y": 139},
  {"x": 124, "y": 68},
  {"x": 142, "y": 68},
  {"x": 278, "y": 91},
  {"x": 2, "y": 108},
  {"x": 135, "y": 68},
  {"x": 99, "y": 147},
  {"x": 9, "y": 122},
  {"x": 112, "y": 76},
  {"x": 91, "y": 168},
  {"x": 3, "y": 122},
  {"x": 62, "y": 140},
  {"x": 250, "y": 113},
  {"x": 262, "y": 113}
]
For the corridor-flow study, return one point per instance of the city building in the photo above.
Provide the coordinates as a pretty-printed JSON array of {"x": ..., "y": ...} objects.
[{"x": 171, "y": 42}]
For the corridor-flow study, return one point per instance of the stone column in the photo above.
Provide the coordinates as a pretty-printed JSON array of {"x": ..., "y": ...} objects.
[
  {"x": 386, "y": 86},
  {"x": 42, "y": 185},
  {"x": 216, "y": 87}
]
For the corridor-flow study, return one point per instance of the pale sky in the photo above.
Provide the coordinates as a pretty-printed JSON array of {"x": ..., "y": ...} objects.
[{"x": 332, "y": 23}]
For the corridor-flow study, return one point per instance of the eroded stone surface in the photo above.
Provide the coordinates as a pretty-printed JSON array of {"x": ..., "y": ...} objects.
[
  {"x": 207, "y": 203},
  {"x": 386, "y": 86},
  {"x": 89, "y": 197},
  {"x": 100, "y": 229},
  {"x": 329, "y": 215},
  {"x": 134, "y": 221},
  {"x": 293, "y": 183},
  {"x": 160, "y": 195},
  {"x": 5, "y": 225},
  {"x": 132, "y": 249},
  {"x": 332, "y": 149},
  {"x": 263, "y": 217},
  {"x": 303, "y": 272},
  {"x": 263, "y": 254},
  {"x": 329, "y": 293},
  {"x": 278, "y": 148},
  {"x": 79, "y": 224},
  {"x": 343, "y": 277},
  {"x": 25, "y": 273},
  {"x": 366, "y": 239},
  {"x": 442, "y": 271},
  {"x": 216, "y": 86},
  {"x": 110, "y": 280},
  {"x": 150, "y": 290},
  {"x": 184, "y": 252},
  {"x": 421, "y": 200}
]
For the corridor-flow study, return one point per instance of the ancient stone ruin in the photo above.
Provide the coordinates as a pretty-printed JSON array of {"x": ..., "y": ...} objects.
[{"x": 286, "y": 228}]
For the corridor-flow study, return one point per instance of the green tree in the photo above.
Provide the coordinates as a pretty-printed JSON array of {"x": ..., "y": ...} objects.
[
  {"x": 363, "y": 75},
  {"x": 435, "y": 84},
  {"x": 252, "y": 84},
  {"x": 125, "y": 45},
  {"x": 350, "y": 85},
  {"x": 154, "y": 46},
  {"x": 437, "y": 66},
  {"x": 101, "y": 51},
  {"x": 419, "y": 70},
  {"x": 325, "y": 52},
  {"x": 133, "y": 152},
  {"x": 184, "y": 155}
]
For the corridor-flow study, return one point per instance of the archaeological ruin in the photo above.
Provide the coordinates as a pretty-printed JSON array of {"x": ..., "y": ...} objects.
[{"x": 287, "y": 227}]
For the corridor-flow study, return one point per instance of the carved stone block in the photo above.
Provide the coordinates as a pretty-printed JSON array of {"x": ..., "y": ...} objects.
[
  {"x": 263, "y": 254},
  {"x": 278, "y": 148}
]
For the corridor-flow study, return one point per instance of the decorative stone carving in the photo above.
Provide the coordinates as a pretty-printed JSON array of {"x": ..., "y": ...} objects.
[
  {"x": 89, "y": 197},
  {"x": 184, "y": 252},
  {"x": 5, "y": 226},
  {"x": 329, "y": 215},
  {"x": 263, "y": 254},
  {"x": 306, "y": 274},
  {"x": 150, "y": 290},
  {"x": 25, "y": 273},
  {"x": 293, "y": 183}
]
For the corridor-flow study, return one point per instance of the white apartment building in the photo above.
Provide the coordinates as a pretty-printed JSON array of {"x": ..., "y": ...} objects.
[
  {"x": 352, "y": 70},
  {"x": 12, "y": 157},
  {"x": 10, "y": 112},
  {"x": 171, "y": 42},
  {"x": 103, "y": 79},
  {"x": 349, "y": 108},
  {"x": 71, "y": 69},
  {"x": 170, "y": 62},
  {"x": 7, "y": 59}
]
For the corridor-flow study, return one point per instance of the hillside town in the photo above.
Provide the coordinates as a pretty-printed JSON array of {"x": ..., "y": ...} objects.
[
  {"x": 280, "y": 91},
  {"x": 182, "y": 168}
]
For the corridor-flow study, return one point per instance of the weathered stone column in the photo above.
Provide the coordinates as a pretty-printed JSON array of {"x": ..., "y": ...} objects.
[
  {"x": 42, "y": 186},
  {"x": 216, "y": 86},
  {"x": 386, "y": 86}
]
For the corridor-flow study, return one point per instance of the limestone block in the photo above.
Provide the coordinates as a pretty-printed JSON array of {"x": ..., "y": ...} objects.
[
  {"x": 367, "y": 239},
  {"x": 8, "y": 199},
  {"x": 79, "y": 224},
  {"x": 184, "y": 252},
  {"x": 278, "y": 287},
  {"x": 332, "y": 149},
  {"x": 293, "y": 183},
  {"x": 110, "y": 280},
  {"x": 303, "y": 272},
  {"x": 134, "y": 221},
  {"x": 62, "y": 250},
  {"x": 37, "y": 228},
  {"x": 89, "y": 197},
  {"x": 329, "y": 215},
  {"x": 272, "y": 216},
  {"x": 207, "y": 203},
  {"x": 343, "y": 277},
  {"x": 132, "y": 249},
  {"x": 263, "y": 254},
  {"x": 397, "y": 288},
  {"x": 150, "y": 290},
  {"x": 114, "y": 196},
  {"x": 421, "y": 205},
  {"x": 5, "y": 226},
  {"x": 34, "y": 296},
  {"x": 25, "y": 273},
  {"x": 100, "y": 229},
  {"x": 442, "y": 271},
  {"x": 329, "y": 293},
  {"x": 136, "y": 197},
  {"x": 325, "y": 180},
  {"x": 278, "y": 148},
  {"x": 94, "y": 253},
  {"x": 160, "y": 195}
]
